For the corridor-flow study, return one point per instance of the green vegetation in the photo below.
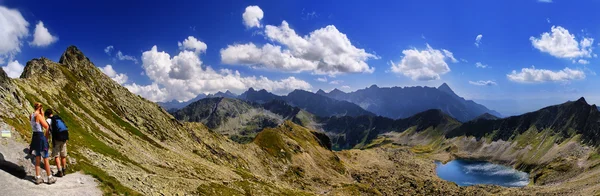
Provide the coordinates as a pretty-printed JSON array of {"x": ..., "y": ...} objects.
[{"x": 270, "y": 140}]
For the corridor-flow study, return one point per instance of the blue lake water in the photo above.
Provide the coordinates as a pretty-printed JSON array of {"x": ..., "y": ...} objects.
[{"x": 466, "y": 173}]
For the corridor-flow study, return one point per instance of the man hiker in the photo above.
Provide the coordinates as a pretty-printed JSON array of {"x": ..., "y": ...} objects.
[
  {"x": 60, "y": 135},
  {"x": 39, "y": 143}
]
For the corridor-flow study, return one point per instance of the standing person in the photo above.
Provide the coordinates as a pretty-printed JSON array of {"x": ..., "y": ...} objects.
[
  {"x": 39, "y": 143},
  {"x": 60, "y": 135}
]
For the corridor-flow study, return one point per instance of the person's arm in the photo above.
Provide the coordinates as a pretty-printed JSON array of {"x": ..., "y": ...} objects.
[{"x": 40, "y": 119}]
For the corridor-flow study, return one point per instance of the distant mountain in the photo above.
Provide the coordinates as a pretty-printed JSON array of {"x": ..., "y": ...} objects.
[
  {"x": 226, "y": 94},
  {"x": 486, "y": 116},
  {"x": 564, "y": 120},
  {"x": 239, "y": 119},
  {"x": 314, "y": 103},
  {"x": 398, "y": 102},
  {"x": 175, "y": 105}
]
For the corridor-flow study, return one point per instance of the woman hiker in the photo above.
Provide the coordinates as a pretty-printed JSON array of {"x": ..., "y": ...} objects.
[{"x": 39, "y": 143}]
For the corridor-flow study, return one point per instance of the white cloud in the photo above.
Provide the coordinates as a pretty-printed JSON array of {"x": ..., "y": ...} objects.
[
  {"x": 548, "y": 20},
  {"x": 480, "y": 65},
  {"x": 483, "y": 83},
  {"x": 191, "y": 43},
  {"x": 252, "y": 16},
  {"x": 423, "y": 65},
  {"x": 13, "y": 69},
  {"x": 545, "y": 1},
  {"x": 562, "y": 44},
  {"x": 478, "y": 40},
  {"x": 13, "y": 28},
  {"x": 183, "y": 77},
  {"x": 42, "y": 37},
  {"x": 123, "y": 57},
  {"x": 336, "y": 82},
  {"x": 533, "y": 75},
  {"x": 345, "y": 87},
  {"x": 583, "y": 62},
  {"x": 120, "y": 78},
  {"x": 323, "y": 79},
  {"x": 464, "y": 60},
  {"x": 108, "y": 50},
  {"x": 323, "y": 51}
]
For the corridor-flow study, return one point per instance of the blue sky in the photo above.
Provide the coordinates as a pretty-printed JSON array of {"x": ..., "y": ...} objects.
[{"x": 381, "y": 36}]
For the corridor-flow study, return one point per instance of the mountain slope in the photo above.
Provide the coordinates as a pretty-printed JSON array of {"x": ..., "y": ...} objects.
[
  {"x": 566, "y": 120},
  {"x": 357, "y": 132},
  {"x": 241, "y": 120},
  {"x": 133, "y": 146},
  {"x": 316, "y": 104},
  {"x": 398, "y": 102}
]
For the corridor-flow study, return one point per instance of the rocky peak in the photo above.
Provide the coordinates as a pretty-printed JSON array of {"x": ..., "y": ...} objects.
[
  {"x": 36, "y": 66},
  {"x": 373, "y": 86},
  {"x": 445, "y": 88},
  {"x": 581, "y": 101},
  {"x": 321, "y": 92},
  {"x": 73, "y": 58}
]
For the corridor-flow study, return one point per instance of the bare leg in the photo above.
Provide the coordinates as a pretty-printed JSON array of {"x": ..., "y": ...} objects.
[
  {"x": 37, "y": 165},
  {"x": 47, "y": 163},
  {"x": 58, "y": 164},
  {"x": 64, "y": 162}
]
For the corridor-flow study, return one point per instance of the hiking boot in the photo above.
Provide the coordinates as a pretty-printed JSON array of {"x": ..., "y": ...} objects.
[
  {"x": 37, "y": 180},
  {"x": 51, "y": 180},
  {"x": 59, "y": 174}
]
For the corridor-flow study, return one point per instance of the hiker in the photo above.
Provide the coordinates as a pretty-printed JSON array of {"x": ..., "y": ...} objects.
[
  {"x": 39, "y": 143},
  {"x": 60, "y": 135}
]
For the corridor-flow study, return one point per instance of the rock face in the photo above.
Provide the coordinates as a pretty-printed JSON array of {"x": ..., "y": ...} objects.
[{"x": 397, "y": 102}]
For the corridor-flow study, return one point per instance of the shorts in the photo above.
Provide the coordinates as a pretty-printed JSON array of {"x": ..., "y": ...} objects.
[
  {"x": 59, "y": 148},
  {"x": 43, "y": 153}
]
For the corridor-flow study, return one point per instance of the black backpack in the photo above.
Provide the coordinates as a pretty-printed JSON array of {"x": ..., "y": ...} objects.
[{"x": 59, "y": 129}]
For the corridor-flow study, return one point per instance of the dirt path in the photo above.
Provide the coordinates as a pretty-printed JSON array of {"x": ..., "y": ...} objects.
[
  {"x": 16, "y": 172},
  {"x": 72, "y": 184}
]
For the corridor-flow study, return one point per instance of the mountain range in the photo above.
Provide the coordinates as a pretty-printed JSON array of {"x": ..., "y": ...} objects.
[
  {"x": 402, "y": 102},
  {"x": 394, "y": 102},
  {"x": 174, "y": 105}
]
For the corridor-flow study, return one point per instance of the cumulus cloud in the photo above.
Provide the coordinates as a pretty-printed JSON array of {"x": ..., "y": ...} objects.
[
  {"x": 252, "y": 16},
  {"x": 478, "y": 40},
  {"x": 480, "y": 65},
  {"x": 533, "y": 75},
  {"x": 120, "y": 78},
  {"x": 323, "y": 79},
  {"x": 191, "y": 43},
  {"x": 13, "y": 28},
  {"x": 183, "y": 77},
  {"x": 13, "y": 69},
  {"x": 423, "y": 65},
  {"x": 42, "y": 37},
  {"x": 323, "y": 51},
  {"x": 108, "y": 50},
  {"x": 123, "y": 57},
  {"x": 483, "y": 83},
  {"x": 562, "y": 44}
]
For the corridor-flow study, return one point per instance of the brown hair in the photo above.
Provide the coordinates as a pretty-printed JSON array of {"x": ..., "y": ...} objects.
[{"x": 37, "y": 105}]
